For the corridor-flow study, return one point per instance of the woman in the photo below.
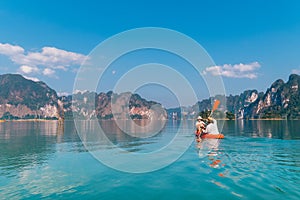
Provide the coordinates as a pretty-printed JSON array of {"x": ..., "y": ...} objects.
[
  {"x": 212, "y": 127},
  {"x": 200, "y": 126}
]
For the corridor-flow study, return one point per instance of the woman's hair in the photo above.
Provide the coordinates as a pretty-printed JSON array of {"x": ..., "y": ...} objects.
[{"x": 210, "y": 120}]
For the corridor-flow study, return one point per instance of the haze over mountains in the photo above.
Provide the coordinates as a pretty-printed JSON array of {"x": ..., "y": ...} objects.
[
  {"x": 21, "y": 98},
  {"x": 281, "y": 100}
]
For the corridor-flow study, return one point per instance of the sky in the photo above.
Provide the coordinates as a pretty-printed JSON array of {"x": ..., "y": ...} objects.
[{"x": 252, "y": 43}]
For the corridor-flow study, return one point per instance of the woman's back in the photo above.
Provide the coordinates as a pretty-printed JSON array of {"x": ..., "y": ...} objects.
[{"x": 212, "y": 128}]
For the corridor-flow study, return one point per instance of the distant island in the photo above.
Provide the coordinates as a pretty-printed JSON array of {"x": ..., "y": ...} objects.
[
  {"x": 21, "y": 98},
  {"x": 280, "y": 101}
]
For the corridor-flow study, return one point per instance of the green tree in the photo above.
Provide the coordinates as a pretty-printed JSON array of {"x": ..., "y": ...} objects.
[{"x": 230, "y": 115}]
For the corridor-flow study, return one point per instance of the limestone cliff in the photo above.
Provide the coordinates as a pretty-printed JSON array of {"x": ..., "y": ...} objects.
[{"x": 23, "y": 98}]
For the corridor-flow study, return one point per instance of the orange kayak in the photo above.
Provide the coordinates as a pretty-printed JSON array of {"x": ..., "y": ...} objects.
[{"x": 212, "y": 136}]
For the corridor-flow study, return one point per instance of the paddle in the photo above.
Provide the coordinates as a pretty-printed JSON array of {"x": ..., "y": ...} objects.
[{"x": 215, "y": 106}]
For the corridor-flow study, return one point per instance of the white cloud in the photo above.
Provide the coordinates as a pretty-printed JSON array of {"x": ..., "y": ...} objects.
[
  {"x": 28, "y": 69},
  {"x": 62, "y": 68},
  {"x": 32, "y": 78},
  {"x": 50, "y": 57},
  {"x": 10, "y": 50},
  {"x": 234, "y": 71},
  {"x": 46, "y": 61},
  {"x": 48, "y": 72}
]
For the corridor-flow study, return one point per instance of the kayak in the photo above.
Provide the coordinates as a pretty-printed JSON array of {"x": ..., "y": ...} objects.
[{"x": 212, "y": 136}]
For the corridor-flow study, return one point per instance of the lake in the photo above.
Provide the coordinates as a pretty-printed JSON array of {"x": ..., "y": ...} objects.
[{"x": 256, "y": 160}]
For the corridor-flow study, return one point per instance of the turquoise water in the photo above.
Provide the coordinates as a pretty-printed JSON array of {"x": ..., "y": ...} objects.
[{"x": 256, "y": 160}]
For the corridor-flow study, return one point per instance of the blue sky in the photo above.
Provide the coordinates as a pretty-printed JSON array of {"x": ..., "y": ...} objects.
[{"x": 253, "y": 43}]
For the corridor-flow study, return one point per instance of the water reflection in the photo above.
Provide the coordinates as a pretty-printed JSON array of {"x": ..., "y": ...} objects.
[
  {"x": 107, "y": 134},
  {"x": 279, "y": 129},
  {"x": 208, "y": 147},
  {"x": 27, "y": 143},
  {"x": 260, "y": 163},
  {"x": 43, "y": 160},
  {"x": 242, "y": 164}
]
